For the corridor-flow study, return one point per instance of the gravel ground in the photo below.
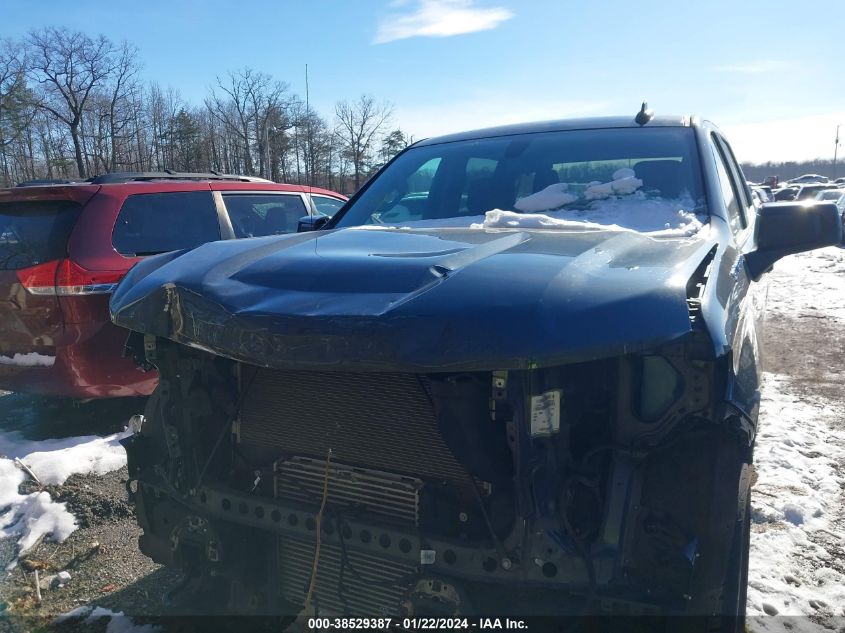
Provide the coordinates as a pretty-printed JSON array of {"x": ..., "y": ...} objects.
[
  {"x": 102, "y": 556},
  {"x": 804, "y": 341}
]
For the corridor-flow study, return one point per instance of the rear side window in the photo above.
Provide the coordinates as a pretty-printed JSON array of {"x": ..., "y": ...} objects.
[
  {"x": 729, "y": 193},
  {"x": 327, "y": 206},
  {"x": 152, "y": 223},
  {"x": 256, "y": 215},
  {"x": 35, "y": 232},
  {"x": 739, "y": 177}
]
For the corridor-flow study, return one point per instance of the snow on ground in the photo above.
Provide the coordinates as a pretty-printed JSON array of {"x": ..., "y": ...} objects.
[
  {"x": 53, "y": 461},
  {"x": 30, "y": 517},
  {"x": 117, "y": 621},
  {"x": 32, "y": 359},
  {"x": 799, "y": 460},
  {"x": 797, "y": 560},
  {"x": 819, "y": 287}
]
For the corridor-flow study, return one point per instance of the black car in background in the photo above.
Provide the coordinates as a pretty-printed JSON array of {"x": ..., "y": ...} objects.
[
  {"x": 518, "y": 373},
  {"x": 786, "y": 193}
]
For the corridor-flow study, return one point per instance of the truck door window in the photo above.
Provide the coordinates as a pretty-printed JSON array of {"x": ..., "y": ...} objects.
[{"x": 729, "y": 192}]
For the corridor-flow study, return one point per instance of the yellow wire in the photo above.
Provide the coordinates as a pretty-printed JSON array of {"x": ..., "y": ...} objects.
[{"x": 317, "y": 527}]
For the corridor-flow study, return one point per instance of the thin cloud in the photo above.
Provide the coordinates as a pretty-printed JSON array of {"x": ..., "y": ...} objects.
[
  {"x": 439, "y": 18},
  {"x": 754, "y": 67}
]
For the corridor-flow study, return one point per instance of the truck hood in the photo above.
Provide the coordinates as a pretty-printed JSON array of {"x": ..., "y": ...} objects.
[{"x": 418, "y": 300}]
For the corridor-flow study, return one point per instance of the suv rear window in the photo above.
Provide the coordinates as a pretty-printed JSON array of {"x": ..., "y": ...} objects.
[
  {"x": 327, "y": 206},
  {"x": 34, "y": 232},
  {"x": 152, "y": 223}
]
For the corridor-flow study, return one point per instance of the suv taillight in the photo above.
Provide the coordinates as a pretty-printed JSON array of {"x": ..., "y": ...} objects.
[{"x": 64, "y": 277}]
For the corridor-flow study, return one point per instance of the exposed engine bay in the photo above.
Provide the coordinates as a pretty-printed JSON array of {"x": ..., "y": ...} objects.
[{"x": 605, "y": 486}]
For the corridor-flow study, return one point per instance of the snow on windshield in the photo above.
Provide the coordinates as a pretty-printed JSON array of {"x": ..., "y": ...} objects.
[
  {"x": 657, "y": 217},
  {"x": 552, "y": 197},
  {"x": 617, "y": 205}
]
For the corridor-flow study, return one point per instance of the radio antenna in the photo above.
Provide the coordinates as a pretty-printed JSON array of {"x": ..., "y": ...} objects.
[{"x": 308, "y": 138}]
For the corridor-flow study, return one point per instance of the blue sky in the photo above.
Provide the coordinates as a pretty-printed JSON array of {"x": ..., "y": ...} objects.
[{"x": 769, "y": 73}]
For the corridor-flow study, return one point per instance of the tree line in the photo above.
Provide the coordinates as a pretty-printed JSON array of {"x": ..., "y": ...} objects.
[
  {"x": 73, "y": 106},
  {"x": 758, "y": 172}
]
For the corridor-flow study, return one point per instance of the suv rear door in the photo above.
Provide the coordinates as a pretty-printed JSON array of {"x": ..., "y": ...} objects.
[
  {"x": 151, "y": 223},
  {"x": 123, "y": 224},
  {"x": 35, "y": 225}
]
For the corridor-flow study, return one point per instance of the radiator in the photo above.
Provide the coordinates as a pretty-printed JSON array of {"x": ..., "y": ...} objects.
[
  {"x": 353, "y": 491},
  {"x": 385, "y": 445},
  {"x": 381, "y": 421},
  {"x": 371, "y": 586}
]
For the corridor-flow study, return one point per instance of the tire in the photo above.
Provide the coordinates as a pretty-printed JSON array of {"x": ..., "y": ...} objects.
[
  {"x": 726, "y": 613},
  {"x": 735, "y": 594}
]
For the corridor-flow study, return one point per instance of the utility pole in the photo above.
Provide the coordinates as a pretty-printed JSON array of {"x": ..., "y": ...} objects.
[
  {"x": 310, "y": 132},
  {"x": 267, "y": 129},
  {"x": 835, "y": 149}
]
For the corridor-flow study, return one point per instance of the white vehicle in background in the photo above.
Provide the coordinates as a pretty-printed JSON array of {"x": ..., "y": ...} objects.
[
  {"x": 806, "y": 178},
  {"x": 763, "y": 194},
  {"x": 834, "y": 195},
  {"x": 809, "y": 191}
]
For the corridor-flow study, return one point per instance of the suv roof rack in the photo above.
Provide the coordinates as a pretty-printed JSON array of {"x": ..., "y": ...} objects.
[
  {"x": 40, "y": 182},
  {"x": 142, "y": 176}
]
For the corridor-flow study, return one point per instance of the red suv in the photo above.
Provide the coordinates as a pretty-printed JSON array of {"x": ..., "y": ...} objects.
[{"x": 64, "y": 247}]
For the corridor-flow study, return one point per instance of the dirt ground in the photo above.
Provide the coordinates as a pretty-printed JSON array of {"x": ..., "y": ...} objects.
[
  {"x": 804, "y": 341},
  {"x": 102, "y": 556}
]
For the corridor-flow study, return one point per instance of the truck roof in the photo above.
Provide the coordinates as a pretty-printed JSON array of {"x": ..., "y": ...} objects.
[{"x": 589, "y": 123}]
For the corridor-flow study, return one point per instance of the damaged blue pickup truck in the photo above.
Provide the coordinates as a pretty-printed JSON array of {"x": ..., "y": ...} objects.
[{"x": 517, "y": 373}]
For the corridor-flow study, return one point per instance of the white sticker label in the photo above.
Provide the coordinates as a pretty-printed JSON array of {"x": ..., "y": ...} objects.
[
  {"x": 427, "y": 556},
  {"x": 545, "y": 413}
]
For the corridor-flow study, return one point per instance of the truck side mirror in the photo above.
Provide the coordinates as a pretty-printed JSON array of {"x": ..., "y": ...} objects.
[
  {"x": 312, "y": 223},
  {"x": 784, "y": 228}
]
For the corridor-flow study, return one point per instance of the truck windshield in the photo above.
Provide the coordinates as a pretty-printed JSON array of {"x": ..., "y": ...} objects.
[{"x": 644, "y": 179}]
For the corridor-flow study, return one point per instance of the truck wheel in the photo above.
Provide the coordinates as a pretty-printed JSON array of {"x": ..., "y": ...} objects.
[{"x": 736, "y": 580}]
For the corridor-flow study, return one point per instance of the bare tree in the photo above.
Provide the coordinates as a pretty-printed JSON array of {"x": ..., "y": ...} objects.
[
  {"x": 270, "y": 105},
  {"x": 250, "y": 104},
  {"x": 15, "y": 113},
  {"x": 73, "y": 104},
  {"x": 359, "y": 124},
  {"x": 69, "y": 66},
  {"x": 232, "y": 109},
  {"x": 123, "y": 87}
]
